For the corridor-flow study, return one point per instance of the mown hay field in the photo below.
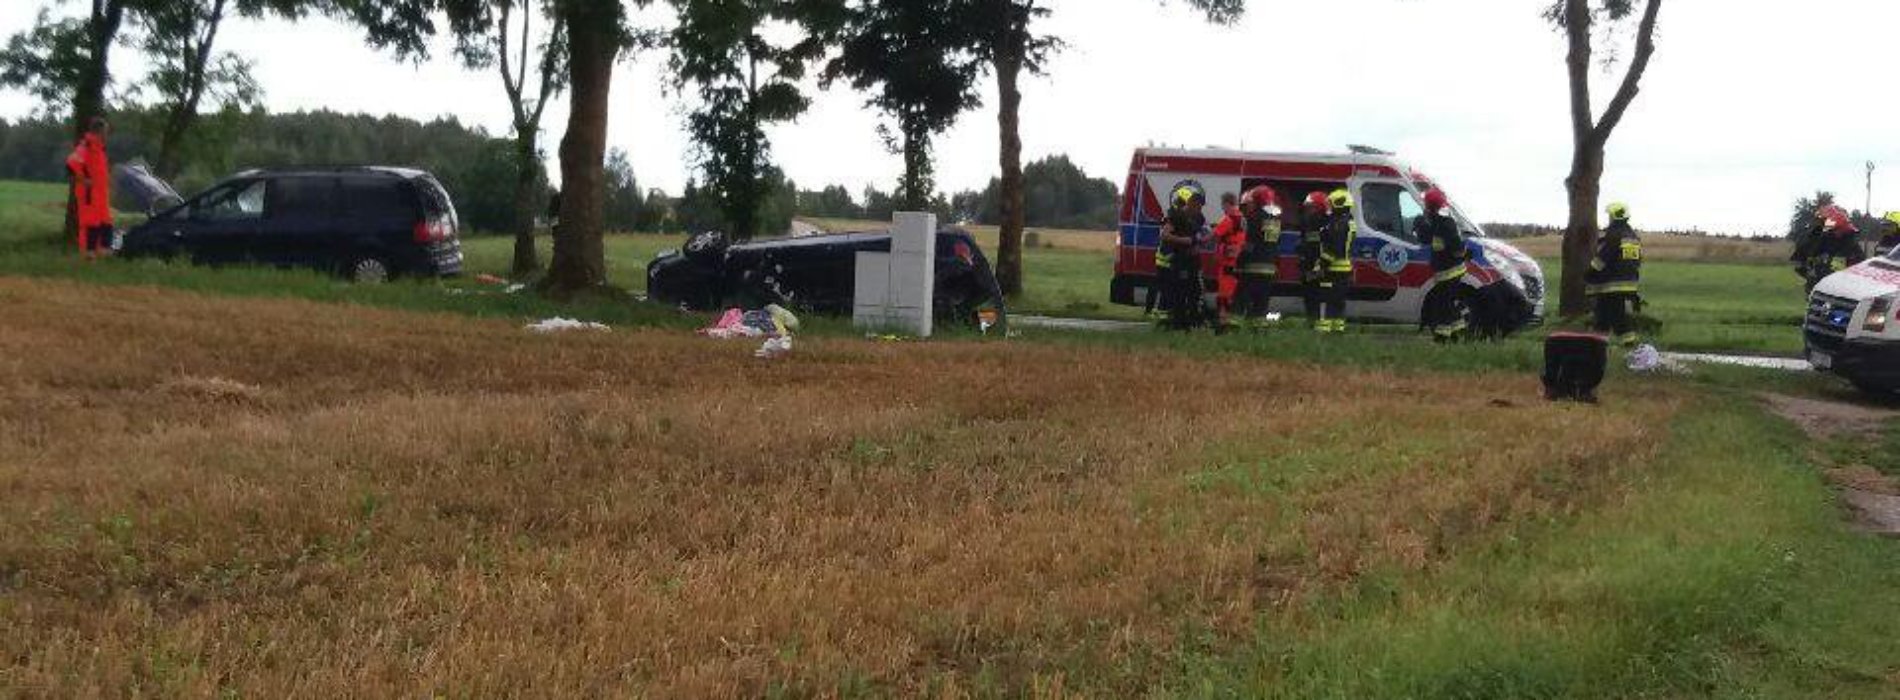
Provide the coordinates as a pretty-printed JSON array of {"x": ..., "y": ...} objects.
[{"x": 272, "y": 498}]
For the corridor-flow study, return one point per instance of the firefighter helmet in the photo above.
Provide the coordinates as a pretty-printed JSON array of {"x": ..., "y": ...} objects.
[
  {"x": 1436, "y": 201},
  {"x": 1339, "y": 199},
  {"x": 1893, "y": 219},
  {"x": 1318, "y": 202},
  {"x": 1184, "y": 196},
  {"x": 1619, "y": 211}
]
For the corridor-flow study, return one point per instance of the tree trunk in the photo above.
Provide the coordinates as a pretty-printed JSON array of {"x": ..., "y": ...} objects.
[
  {"x": 916, "y": 184},
  {"x": 1584, "y": 187},
  {"x": 184, "y": 114},
  {"x": 579, "y": 259},
  {"x": 1009, "y": 100},
  {"x": 527, "y": 185}
]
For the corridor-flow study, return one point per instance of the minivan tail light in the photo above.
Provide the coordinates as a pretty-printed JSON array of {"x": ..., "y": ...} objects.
[{"x": 431, "y": 231}]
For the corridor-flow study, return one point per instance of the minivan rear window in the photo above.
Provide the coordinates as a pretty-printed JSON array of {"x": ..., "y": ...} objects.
[
  {"x": 301, "y": 197},
  {"x": 363, "y": 197}
]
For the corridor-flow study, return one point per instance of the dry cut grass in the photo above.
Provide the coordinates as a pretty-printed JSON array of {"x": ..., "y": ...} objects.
[{"x": 289, "y": 499}]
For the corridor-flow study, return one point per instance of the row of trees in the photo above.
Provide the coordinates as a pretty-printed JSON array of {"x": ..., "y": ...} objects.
[{"x": 917, "y": 61}]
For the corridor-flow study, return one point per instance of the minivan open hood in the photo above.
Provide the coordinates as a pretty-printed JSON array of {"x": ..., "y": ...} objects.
[{"x": 137, "y": 183}]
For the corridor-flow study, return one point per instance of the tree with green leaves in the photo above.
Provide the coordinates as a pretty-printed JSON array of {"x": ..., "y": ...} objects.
[
  {"x": 179, "y": 38},
  {"x": 744, "y": 81},
  {"x": 1007, "y": 40},
  {"x": 1579, "y": 20},
  {"x": 598, "y": 35},
  {"x": 913, "y": 57},
  {"x": 532, "y": 74}
]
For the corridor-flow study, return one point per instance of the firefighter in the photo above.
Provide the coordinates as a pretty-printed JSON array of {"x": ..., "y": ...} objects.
[
  {"x": 92, "y": 190},
  {"x": 1259, "y": 256},
  {"x": 1831, "y": 244},
  {"x": 1335, "y": 262},
  {"x": 1614, "y": 273},
  {"x": 1230, "y": 236},
  {"x": 1889, "y": 233},
  {"x": 1180, "y": 242},
  {"x": 1444, "y": 310},
  {"x": 1314, "y": 213}
]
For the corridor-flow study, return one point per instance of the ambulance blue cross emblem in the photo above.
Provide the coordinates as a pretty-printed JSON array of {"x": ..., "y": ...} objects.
[{"x": 1392, "y": 259}]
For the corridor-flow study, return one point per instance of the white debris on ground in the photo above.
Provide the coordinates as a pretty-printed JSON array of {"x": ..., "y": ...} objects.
[
  {"x": 1791, "y": 364},
  {"x": 1645, "y": 358},
  {"x": 557, "y": 325}
]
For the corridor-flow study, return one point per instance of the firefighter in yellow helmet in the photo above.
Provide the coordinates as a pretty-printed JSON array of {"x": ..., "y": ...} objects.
[
  {"x": 1614, "y": 273},
  {"x": 1331, "y": 268},
  {"x": 1180, "y": 279}
]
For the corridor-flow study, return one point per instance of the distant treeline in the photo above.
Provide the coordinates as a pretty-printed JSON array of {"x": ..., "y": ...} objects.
[
  {"x": 1535, "y": 230},
  {"x": 479, "y": 173}
]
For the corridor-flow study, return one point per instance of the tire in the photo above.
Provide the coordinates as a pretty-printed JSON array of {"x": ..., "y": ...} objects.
[{"x": 367, "y": 270}]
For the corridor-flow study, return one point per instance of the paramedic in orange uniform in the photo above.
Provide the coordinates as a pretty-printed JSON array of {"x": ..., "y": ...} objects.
[
  {"x": 1230, "y": 236},
  {"x": 92, "y": 189}
]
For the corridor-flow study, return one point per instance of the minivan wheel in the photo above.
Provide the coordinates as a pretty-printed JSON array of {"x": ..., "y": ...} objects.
[{"x": 367, "y": 271}]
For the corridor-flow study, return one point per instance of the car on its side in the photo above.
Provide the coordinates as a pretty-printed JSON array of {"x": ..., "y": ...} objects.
[
  {"x": 367, "y": 224},
  {"x": 814, "y": 274}
]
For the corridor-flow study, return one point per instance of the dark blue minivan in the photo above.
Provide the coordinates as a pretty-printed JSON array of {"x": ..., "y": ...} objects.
[{"x": 367, "y": 224}]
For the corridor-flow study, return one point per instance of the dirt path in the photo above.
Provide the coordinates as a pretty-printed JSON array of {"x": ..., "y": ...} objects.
[{"x": 1873, "y": 497}]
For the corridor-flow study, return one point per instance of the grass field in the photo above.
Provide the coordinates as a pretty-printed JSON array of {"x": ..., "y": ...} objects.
[
  {"x": 243, "y": 497},
  {"x": 1742, "y": 305}
]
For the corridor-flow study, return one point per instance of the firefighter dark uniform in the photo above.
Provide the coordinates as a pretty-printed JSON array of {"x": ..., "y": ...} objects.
[
  {"x": 1259, "y": 256},
  {"x": 1443, "y": 311},
  {"x": 1889, "y": 233},
  {"x": 1182, "y": 286},
  {"x": 1614, "y": 274},
  {"x": 1831, "y": 245},
  {"x": 1334, "y": 264},
  {"x": 1314, "y": 214}
]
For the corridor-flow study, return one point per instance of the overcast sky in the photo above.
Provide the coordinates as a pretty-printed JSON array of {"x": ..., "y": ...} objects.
[{"x": 1746, "y": 106}]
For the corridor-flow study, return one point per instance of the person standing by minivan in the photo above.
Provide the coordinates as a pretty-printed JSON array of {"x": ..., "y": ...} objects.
[
  {"x": 1830, "y": 245},
  {"x": 1437, "y": 230},
  {"x": 92, "y": 190},
  {"x": 1614, "y": 275}
]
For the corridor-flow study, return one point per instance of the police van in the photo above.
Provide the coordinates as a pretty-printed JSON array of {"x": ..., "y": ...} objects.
[{"x": 1391, "y": 270}]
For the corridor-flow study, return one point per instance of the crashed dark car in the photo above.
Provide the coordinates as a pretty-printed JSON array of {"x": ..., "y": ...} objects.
[
  {"x": 814, "y": 274},
  {"x": 367, "y": 224}
]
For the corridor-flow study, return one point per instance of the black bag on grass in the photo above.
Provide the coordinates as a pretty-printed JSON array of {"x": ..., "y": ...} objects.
[{"x": 1573, "y": 366}]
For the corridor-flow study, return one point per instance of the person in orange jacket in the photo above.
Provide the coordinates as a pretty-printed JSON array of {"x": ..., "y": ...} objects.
[
  {"x": 92, "y": 189},
  {"x": 1230, "y": 236}
]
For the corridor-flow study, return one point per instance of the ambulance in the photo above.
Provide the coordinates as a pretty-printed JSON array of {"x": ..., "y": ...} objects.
[
  {"x": 1391, "y": 269},
  {"x": 1850, "y": 329}
]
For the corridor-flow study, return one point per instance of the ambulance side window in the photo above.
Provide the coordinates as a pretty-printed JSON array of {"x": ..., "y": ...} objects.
[{"x": 1389, "y": 209}]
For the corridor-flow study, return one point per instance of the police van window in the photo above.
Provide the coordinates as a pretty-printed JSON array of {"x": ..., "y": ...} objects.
[
  {"x": 302, "y": 197},
  {"x": 239, "y": 202},
  {"x": 1389, "y": 209}
]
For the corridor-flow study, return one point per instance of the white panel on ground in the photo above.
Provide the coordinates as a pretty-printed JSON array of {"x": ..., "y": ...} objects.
[{"x": 894, "y": 291}]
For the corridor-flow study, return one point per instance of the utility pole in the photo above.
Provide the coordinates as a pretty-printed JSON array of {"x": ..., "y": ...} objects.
[{"x": 1870, "y": 188}]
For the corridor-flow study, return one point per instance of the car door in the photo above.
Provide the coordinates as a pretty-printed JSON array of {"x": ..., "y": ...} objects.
[
  {"x": 299, "y": 220},
  {"x": 1391, "y": 270},
  {"x": 219, "y": 227}
]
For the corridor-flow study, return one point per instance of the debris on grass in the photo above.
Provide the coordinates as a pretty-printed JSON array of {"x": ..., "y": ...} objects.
[
  {"x": 213, "y": 389},
  {"x": 557, "y": 325}
]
